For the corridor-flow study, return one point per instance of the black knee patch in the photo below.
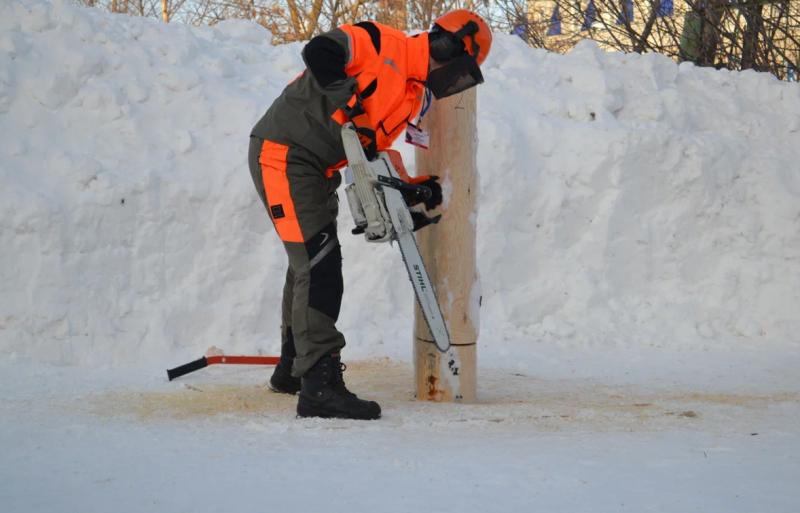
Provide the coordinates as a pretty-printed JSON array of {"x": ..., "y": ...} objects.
[{"x": 326, "y": 283}]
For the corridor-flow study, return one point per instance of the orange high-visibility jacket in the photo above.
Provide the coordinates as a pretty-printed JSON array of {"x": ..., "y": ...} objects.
[{"x": 383, "y": 66}]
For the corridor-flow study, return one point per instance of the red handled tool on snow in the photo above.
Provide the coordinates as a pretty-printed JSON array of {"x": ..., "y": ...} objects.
[{"x": 205, "y": 361}]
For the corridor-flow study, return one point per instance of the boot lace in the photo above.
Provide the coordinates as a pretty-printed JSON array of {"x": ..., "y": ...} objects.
[{"x": 338, "y": 381}]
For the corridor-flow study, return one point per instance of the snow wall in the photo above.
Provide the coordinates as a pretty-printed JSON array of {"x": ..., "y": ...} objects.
[{"x": 625, "y": 200}]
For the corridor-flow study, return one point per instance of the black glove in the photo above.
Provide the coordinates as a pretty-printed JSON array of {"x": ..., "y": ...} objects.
[
  {"x": 435, "y": 198},
  {"x": 421, "y": 220},
  {"x": 415, "y": 194}
]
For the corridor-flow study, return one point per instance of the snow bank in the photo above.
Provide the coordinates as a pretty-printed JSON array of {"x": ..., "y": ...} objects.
[
  {"x": 625, "y": 200},
  {"x": 632, "y": 200}
]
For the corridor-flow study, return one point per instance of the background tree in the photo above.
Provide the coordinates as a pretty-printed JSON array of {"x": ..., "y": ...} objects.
[
  {"x": 763, "y": 35},
  {"x": 734, "y": 34}
]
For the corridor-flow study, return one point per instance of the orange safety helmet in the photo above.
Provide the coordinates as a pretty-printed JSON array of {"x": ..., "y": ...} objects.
[
  {"x": 477, "y": 39},
  {"x": 459, "y": 42}
]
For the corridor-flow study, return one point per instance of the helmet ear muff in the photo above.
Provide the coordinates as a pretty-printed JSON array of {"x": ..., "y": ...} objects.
[
  {"x": 443, "y": 45},
  {"x": 469, "y": 30}
]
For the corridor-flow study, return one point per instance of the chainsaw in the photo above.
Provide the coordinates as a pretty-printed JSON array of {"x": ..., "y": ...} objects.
[{"x": 379, "y": 202}]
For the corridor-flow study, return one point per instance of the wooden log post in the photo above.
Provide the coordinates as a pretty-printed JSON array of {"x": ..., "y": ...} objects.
[{"x": 448, "y": 250}]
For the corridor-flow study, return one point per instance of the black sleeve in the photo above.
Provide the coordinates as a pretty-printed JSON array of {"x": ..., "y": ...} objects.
[{"x": 325, "y": 59}]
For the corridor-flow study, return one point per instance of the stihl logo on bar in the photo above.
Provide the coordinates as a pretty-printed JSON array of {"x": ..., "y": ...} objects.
[{"x": 420, "y": 279}]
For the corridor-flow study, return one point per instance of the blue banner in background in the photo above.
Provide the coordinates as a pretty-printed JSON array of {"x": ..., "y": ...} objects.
[
  {"x": 554, "y": 29},
  {"x": 665, "y": 9},
  {"x": 590, "y": 16},
  {"x": 626, "y": 13}
]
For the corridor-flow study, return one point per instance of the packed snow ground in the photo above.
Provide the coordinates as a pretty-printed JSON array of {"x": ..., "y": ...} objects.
[
  {"x": 219, "y": 441},
  {"x": 638, "y": 244}
]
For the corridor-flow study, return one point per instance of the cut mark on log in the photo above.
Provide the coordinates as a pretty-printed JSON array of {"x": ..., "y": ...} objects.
[{"x": 451, "y": 343}]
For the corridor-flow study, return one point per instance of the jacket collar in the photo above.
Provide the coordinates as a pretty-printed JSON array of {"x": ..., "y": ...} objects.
[{"x": 418, "y": 56}]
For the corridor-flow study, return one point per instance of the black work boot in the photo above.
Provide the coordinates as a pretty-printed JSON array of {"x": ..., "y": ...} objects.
[
  {"x": 282, "y": 380},
  {"x": 323, "y": 394}
]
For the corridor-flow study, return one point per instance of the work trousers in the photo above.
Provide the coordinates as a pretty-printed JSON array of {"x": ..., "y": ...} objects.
[{"x": 302, "y": 204}]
